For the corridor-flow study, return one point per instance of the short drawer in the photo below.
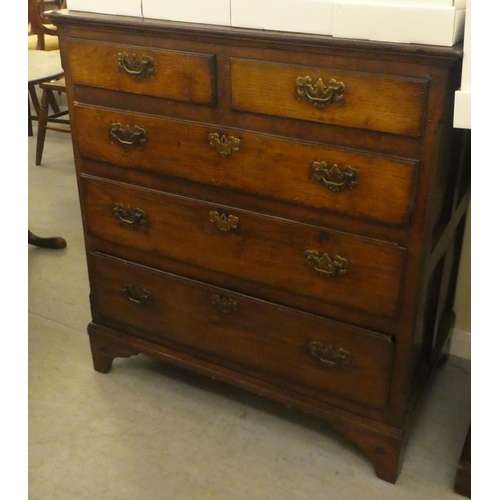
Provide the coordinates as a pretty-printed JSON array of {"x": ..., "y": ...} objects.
[
  {"x": 333, "y": 267},
  {"x": 328, "y": 179},
  {"x": 180, "y": 76},
  {"x": 353, "y": 99},
  {"x": 294, "y": 350}
]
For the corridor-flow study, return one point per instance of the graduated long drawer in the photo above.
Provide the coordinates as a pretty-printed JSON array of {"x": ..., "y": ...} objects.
[
  {"x": 298, "y": 351},
  {"x": 335, "y": 180},
  {"x": 333, "y": 267}
]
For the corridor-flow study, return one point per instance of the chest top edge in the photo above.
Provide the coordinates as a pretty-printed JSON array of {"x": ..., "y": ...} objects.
[{"x": 258, "y": 38}]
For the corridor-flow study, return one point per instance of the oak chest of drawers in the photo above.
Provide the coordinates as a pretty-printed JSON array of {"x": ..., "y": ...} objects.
[{"x": 281, "y": 212}]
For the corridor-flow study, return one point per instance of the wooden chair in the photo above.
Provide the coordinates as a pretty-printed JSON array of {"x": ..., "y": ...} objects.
[{"x": 50, "y": 84}]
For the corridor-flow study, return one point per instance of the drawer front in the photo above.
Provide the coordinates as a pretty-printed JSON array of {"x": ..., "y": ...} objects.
[
  {"x": 362, "y": 100},
  {"x": 333, "y": 267},
  {"x": 328, "y": 179},
  {"x": 180, "y": 76},
  {"x": 317, "y": 357}
]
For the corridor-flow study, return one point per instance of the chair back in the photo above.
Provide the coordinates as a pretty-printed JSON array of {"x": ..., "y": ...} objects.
[{"x": 40, "y": 25}]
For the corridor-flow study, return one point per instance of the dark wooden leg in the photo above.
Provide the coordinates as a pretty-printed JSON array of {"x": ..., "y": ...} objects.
[
  {"x": 34, "y": 99},
  {"x": 42, "y": 126},
  {"x": 445, "y": 353},
  {"x": 36, "y": 104},
  {"x": 463, "y": 477},
  {"x": 52, "y": 100},
  {"x": 54, "y": 242},
  {"x": 446, "y": 332},
  {"x": 105, "y": 351},
  {"x": 384, "y": 449},
  {"x": 387, "y": 459},
  {"x": 30, "y": 124}
]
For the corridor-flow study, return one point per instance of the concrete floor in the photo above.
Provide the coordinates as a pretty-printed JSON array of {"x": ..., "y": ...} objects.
[{"x": 150, "y": 431}]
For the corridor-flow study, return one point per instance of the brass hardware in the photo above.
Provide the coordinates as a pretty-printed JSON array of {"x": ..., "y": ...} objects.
[
  {"x": 224, "y": 304},
  {"x": 332, "y": 177},
  {"x": 223, "y": 222},
  {"x": 126, "y": 136},
  {"x": 330, "y": 356},
  {"x": 137, "y": 295},
  {"x": 224, "y": 145},
  {"x": 129, "y": 217},
  {"x": 318, "y": 94},
  {"x": 135, "y": 67},
  {"x": 325, "y": 266}
]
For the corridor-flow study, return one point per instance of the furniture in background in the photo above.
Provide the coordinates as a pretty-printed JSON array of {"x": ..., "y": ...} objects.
[
  {"x": 48, "y": 90},
  {"x": 44, "y": 66},
  {"x": 42, "y": 35},
  {"x": 54, "y": 242},
  {"x": 41, "y": 67},
  {"x": 279, "y": 211}
]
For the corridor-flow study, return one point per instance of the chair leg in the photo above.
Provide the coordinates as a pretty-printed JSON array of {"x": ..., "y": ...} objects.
[
  {"x": 36, "y": 104},
  {"x": 34, "y": 98},
  {"x": 53, "y": 102},
  {"x": 42, "y": 126},
  {"x": 30, "y": 125}
]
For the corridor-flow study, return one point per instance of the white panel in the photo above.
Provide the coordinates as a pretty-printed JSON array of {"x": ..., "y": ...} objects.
[
  {"x": 404, "y": 24},
  {"x": 467, "y": 51},
  {"x": 458, "y": 4},
  {"x": 462, "y": 111},
  {"x": 193, "y": 11},
  {"x": 118, "y": 7},
  {"x": 301, "y": 16}
]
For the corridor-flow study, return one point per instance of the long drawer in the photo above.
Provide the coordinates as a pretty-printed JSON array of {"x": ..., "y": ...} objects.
[
  {"x": 326, "y": 178},
  {"x": 298, "y": 351},
  {"x": 180, "y": 76},
  {"x": 368, "y": 101},
  {"x": 326, "y": 265}
]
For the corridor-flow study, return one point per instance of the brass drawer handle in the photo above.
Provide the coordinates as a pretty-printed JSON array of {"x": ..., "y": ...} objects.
[
  {"x": 330, "y": 356},
  {"x": 137, "y": 295},
  {"x": 126, "y": 136},
  {"x": 223, "y": 222},
  {"x": 332, "y": 177},
  {"x": 135, "y": 67},
  {"x": 224, "y": 304},
  {"x": 129, "y": 217},
  {"x": 318, "y": 94},
  {"x": 224, "y": 145},
  {"x": 325, "y": 266}
]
